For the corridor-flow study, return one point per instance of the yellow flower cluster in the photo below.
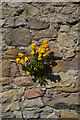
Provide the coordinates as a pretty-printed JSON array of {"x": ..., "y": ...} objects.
[
  {"x": 33, "y": 46},
  {"x": 41, "y": 52},
  {"x": 28, "y": 73},
  {"x": 19, "y": 60},
  {"x": 43, "y": 49}
]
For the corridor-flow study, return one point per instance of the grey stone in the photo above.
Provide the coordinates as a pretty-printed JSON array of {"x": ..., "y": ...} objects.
[
  {"x": 5, "y": 67},
  {"x": 73, "y": 72},
  {"x": 20, "y": 22},
  {"x": 65, "y": 41},
  {"x": 36, "y": 24},
  {"x": 74, "y": 63},
  {"x": 2, "y": 22},
  {"x": 14, "y": 4},
  {"x": 74, "y": 35},
  {"x": 46, "y": 111},
  {"x": 33, "y": 10},
  {"x": 49, "y": 33},
  {"x": 56, "y": 52},
  {"x": 70, "y": 53},
  {"x": 37, "y": 102},
  {"x": 10, "y": 115},
  {"x": 31, "y": 114},
  {"x": 23, "y": 81},
  {"x": 61, "y": 102},
  {"x": 18, "y": 114},
  {"x": 15, "y": 94},
  {"x": 9, "y": 22},
  {"x": 64, "y": 28},
  {"x": 3, "y": 97},
  {"x": 72, "y": 20},
  {"x": 67, "y": 10},
  {"x": 18, "y": 37},
  {"x": 5, "y": 80},
  {"x": 15, "y": 106},
  {"x": 53, "y": 115},
  {"x": 14, "y": 70},
  {"x": 46, "y": 99}
]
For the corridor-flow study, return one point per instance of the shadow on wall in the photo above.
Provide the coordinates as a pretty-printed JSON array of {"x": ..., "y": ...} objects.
[{"x": 50, "y": 74}]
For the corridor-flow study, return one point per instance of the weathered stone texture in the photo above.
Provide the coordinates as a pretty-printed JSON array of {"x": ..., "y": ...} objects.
[
  {"x": 61, "y": 66},
  {"x": 25, "y": 23},
  {"x": 5, "y": 68},
  {"x": 19, "y": 37}
]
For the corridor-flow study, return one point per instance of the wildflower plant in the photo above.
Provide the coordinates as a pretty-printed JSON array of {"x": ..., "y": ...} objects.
[{"x": 37, "y": 64}]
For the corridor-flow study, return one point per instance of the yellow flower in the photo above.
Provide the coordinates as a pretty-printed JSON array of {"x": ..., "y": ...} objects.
[
  {"x": 18, "y": 60},
  {"x": 28, "y": 73},
  {"x": 29, "y": 58},
  {"x": 45, "y": 41},
  {"x": 26, "y": 59},
  {"x": 32, "y": 53},
  {"x": 48, "y": 48},
  {"x": 40, "y": 55},
  {"x": 45, "y": 45},
  {"x": 37, "y": 50},
  {"x": 39, "y": 58},
  {"x": 21, "y": 61},
  {"x": 41, "y": 46},
  {"x": 20, "y": 54},
  {"x": 46, "y": 54},
  {"x": 33, "y": 46},
  {"x": 42, "y": 50}
]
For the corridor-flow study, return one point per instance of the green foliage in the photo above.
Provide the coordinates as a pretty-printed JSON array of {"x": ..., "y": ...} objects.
[{"x": 37, "y": 64}]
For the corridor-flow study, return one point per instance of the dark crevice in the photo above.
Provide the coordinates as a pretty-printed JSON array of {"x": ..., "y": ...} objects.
[{"x": 18, "y": 12}]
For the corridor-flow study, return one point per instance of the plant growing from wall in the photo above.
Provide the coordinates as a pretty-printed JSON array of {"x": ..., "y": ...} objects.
[{"x": 37, "y": 64}]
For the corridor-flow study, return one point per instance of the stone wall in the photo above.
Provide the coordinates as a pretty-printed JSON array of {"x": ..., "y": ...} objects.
[{"x": 26, "y": 23}]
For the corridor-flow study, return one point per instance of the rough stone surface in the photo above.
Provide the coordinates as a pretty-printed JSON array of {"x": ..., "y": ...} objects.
[
  {"x": 22, "y": 72},
  {"x": 5, "y": 68},
  {"x": 14, "y": 106},
  {"x": 68, "y": 89},
  {"x": 64, "y": 28},
  {"x": 72, "y": 20},
  {"x": 13, "y": 53},
  {"x": 20, "y": 22},
  {"x": 13, "y": 5},
  {"x": 74, "y": 63},
  {"x": 50, "y": 33},
  {"x": 70, "y": 53},
  {"x": 62, "y": 66},
  {"x": 65, "y": 83},
  {"x": 7, "y": 116},
  {"x": 5, "y": 80},
  {"x": 32, "y": 22},
  {"x": 9, "y": 22},
  {"x": 53, "y": 115},
  {"x": 33, "y": 93},
  {"x": 37, "y": 102},
  {"x": 73, "y": 72},
  {"x": 32, "y": 10},
  {"x": 67, "y": 10},
  {"x": 56, "y": 52},
  {"x": 18, "y": 114},
  {"x": 14, "y": 94},
  {"x": 46, "y": 111},
  {"x": 23, "y": 81},
  {"x": 19, "y": 37},
  {"x": 31, "y": 114},
  {"x": 64, "y": 40},
  {"x": 68, "y": 114},
  {"x": 14, "y": 70},
  {"x": 64, "y": 103},
  {"x": 37, "y": 24}
]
